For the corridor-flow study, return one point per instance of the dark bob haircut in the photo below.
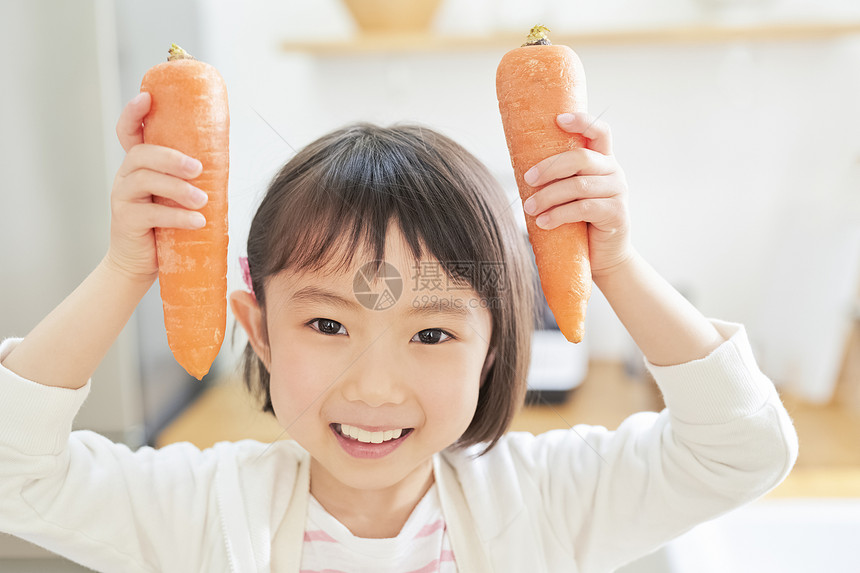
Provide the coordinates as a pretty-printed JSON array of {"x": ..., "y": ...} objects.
[{"x": 449, "y": 208}]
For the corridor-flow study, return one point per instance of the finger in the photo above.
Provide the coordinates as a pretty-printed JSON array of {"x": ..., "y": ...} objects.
[
  {"x": 162, "y": 159},
  {"x": 157, "y": 215},
  {"x": 143, "y": 183},
  {"x": 605, "y": 214},
  {"x": 129, "y": 127},
  {"x": 594, "y": 129},
  {"x": 579, "y": 161},
  {"x": 570, "y": 189},
  {"x": 145, "y": 216}
]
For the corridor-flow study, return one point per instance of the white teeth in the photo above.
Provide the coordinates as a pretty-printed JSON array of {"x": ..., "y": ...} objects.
[{"x": 369, "y": 437}]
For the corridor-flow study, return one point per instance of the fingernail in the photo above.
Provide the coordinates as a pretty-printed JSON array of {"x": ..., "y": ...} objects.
[
  {"x": 531, "y": 176},
  {"x": 542, "y": 220},
  {"x": 566, "y": 118},
  {"x": 530, "y": 206},
  {"x": 200, "y": 197},
  {"x": 137, "y": 99},
  {"x": 198, "y": 220},
  {"x": 193, "y": 165}
]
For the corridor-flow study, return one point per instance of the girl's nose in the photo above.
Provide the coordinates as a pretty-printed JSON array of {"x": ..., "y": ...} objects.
[{"x": 375, "y": 378}]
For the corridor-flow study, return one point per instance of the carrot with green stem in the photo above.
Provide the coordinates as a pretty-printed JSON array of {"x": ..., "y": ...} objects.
[
  {"x": 189, "y": 113},
  {"x": 534, "y": 84}
]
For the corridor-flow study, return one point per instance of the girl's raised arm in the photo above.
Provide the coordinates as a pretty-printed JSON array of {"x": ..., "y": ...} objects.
[{"x": 666, "y": 327}]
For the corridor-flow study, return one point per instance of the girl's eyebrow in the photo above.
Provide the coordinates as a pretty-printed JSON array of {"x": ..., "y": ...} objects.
[{"x": 313, "y": 294}]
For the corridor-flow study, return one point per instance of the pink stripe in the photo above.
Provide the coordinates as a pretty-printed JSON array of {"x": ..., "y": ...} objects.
[
  {"x": 446, "y": 555},
  {"x": 429, "y": 529},
  {"x": 318, "y": 535}
]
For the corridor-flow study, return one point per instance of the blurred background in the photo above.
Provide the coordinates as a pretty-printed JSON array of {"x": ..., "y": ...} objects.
[{"x": 736, "y": 122}]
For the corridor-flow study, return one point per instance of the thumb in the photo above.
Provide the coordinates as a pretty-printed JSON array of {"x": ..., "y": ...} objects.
[{"x": 129, "y": 127}]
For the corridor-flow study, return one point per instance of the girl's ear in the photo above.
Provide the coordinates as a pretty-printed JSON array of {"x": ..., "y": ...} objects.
[
  {"x": 488, "y": 363},
  {"x": 248, "y": 313}
]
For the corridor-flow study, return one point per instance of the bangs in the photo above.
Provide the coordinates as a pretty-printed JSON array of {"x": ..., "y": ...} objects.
[{"x": 346, "y": 204}]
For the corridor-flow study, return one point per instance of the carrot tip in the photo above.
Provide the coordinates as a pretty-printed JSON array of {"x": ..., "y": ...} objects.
[
  {"x": 537, "y": 36},
  {"x": 177, "y": 53}
]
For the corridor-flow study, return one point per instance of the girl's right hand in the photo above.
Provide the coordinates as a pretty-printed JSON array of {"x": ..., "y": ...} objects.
[{"x": 147, "y": 171}]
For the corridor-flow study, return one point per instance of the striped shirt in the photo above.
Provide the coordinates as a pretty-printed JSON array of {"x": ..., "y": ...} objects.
[{"x": 422, "y": 545}]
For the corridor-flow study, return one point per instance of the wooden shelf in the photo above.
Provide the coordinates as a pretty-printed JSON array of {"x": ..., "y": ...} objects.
[{"x": 688, "y": 34}]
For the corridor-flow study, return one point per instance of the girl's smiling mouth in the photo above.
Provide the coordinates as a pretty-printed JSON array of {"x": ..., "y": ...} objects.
[{"x": 360, "y": 443}]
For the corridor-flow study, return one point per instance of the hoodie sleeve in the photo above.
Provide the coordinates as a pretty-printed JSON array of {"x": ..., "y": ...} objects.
[
  {"x": 91, "y": 500},
  {"x": 723, "y": 440}
]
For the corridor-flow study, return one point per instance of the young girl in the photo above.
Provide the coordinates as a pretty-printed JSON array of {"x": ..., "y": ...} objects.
[{"x": 389, "y": 332}]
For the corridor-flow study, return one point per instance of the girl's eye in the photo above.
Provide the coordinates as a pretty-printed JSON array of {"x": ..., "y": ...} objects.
[
  {"x": 432, "y": 340},
  {"x": 327, "y": 326}
]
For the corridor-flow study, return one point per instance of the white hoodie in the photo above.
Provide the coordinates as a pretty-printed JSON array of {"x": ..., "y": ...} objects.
[{"x": 580, "y": 500}]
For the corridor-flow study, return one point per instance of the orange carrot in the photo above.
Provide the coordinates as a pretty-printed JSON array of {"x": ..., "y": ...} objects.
[
  {"x": 535, "y": 83},
  {"x": 189, "y": 113}
]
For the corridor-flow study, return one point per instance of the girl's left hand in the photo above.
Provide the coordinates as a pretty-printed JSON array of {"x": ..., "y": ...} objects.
[{"x": 585, "y": 184}]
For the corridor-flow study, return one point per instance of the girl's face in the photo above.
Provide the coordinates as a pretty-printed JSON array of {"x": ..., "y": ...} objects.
[{"x": 379, "y": 370}]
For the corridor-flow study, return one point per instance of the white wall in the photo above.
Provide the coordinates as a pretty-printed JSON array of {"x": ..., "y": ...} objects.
[
  {"x": 731, "y": 150},
  {"x": 58, "y": 106}
]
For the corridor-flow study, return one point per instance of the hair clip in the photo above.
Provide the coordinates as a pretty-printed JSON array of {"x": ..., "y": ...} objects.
[{"x": 246, "y": 275}]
